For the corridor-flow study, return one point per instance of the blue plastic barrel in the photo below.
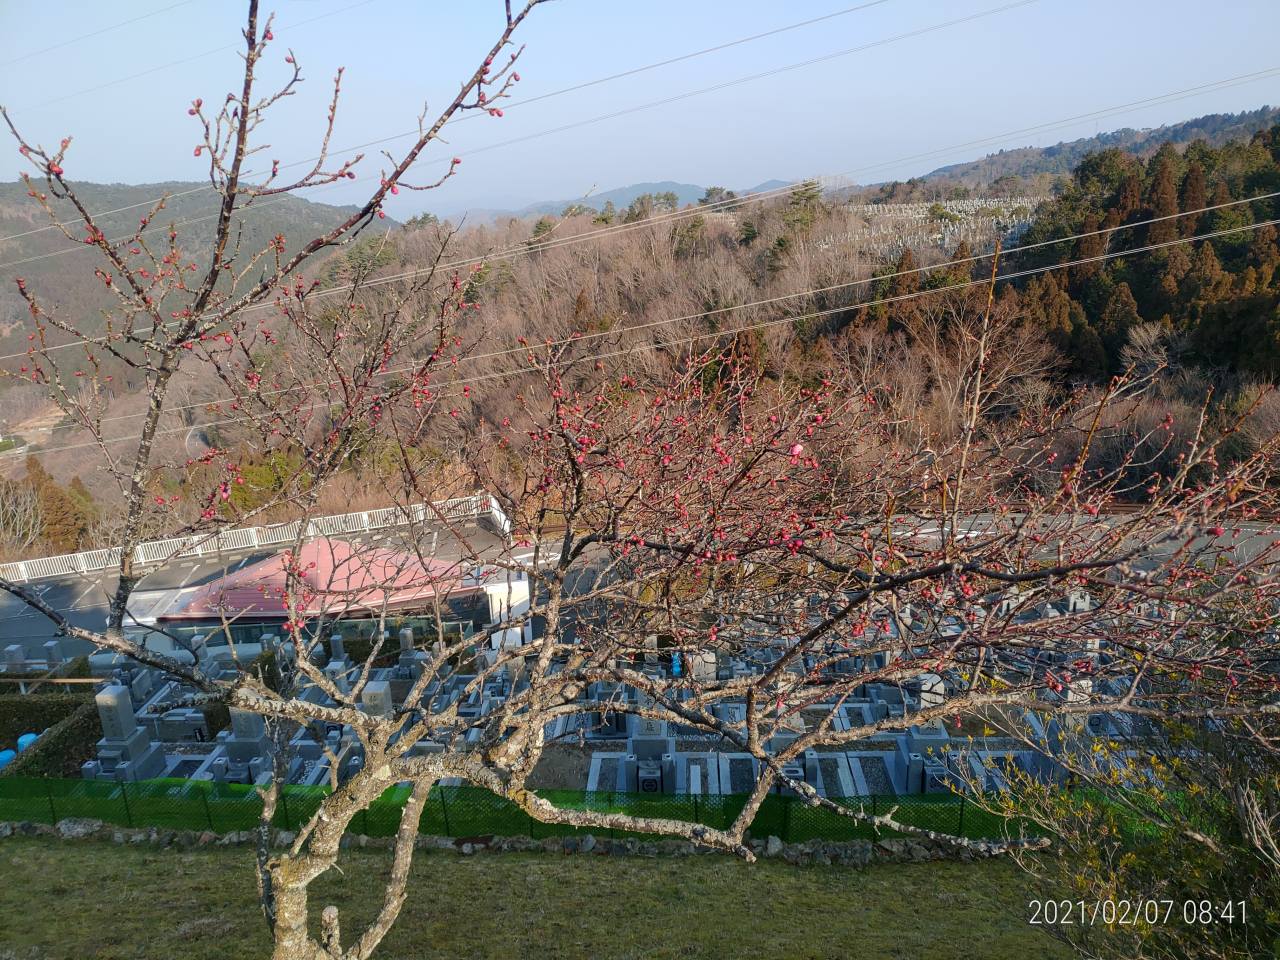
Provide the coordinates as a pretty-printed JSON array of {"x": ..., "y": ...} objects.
[
  {"x": 26, "y": 740},
  {"x": 6, "y": 758}
]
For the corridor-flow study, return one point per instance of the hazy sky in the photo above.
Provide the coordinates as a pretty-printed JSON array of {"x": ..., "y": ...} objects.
[{"x": 860, "y": 113}]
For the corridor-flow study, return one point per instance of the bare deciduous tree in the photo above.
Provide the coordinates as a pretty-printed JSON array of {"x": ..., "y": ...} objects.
[
  {"x": 21, "y": 521},
  {"x": 789, "y": 540}
]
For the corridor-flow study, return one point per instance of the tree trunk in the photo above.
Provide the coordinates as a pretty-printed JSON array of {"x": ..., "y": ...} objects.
[
  {"x": 292, "y": 875},
  {"x": 292, "y": 941}
]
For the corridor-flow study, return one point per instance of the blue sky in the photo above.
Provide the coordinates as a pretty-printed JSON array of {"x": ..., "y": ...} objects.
[{"x": 1013, "y": 69}]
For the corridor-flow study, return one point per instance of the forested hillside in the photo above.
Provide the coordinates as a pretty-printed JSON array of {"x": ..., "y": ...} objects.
[
  {"x": 1038, "y": 169},
  {"x": 56, "y": 267},
  {"x": 801, "y": 283},
  {"x": 1217, "y": 299},
  {"x": 1214, "y": 129}
]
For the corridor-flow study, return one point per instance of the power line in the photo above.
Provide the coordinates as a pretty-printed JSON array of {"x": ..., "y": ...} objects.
[
  {"x": 977, "y": 258},
  {"x": 96, "y": 33},
  {"x": 720, "y": 334},
  {"x": 962, "y": 261},
  {"x": 721, "y": 205},
  {"x": 982, "y": 281},
  {"x": 698, "y": 53},
  {"x": 634, "y": 71},
  {"x": 577, "y": 124},
  {"x": 178, "y": 63},
  {"x": 1169, "y": 97}
]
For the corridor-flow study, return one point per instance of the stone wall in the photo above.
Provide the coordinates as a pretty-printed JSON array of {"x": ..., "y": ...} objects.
[{"x": 852, "y": 853}]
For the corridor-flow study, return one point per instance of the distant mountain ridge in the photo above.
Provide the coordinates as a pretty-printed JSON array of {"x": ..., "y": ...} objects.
[
  {"x": 620, "y": 197},
  {"x": 1062, "y": 157},
  {"x": 1028, "y": 163},
  {"x": 59, "y": 278},
  {"x": 62, "y": 273}
]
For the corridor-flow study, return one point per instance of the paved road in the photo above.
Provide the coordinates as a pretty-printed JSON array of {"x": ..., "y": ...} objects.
[{"x": 84, "y": 600}]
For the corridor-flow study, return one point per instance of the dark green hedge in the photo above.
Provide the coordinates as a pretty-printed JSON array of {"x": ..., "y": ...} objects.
[
  {"x": 217, "y": 717},
  {"x": 77, "y": 668},
  {"x": 461, "y": 811},
  {"x": 66, "y": 745},
  {"x": 35, "y": 713}
]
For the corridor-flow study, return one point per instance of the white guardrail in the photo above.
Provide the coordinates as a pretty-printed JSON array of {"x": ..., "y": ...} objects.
[{"x": 481, "y": 507}]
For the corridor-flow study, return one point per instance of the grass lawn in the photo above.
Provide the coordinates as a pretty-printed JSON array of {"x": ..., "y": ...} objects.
[{"x": 94, "y": 899}]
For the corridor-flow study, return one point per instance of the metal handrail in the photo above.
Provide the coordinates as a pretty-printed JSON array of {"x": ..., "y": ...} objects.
[{"x": 156, "y": 552}]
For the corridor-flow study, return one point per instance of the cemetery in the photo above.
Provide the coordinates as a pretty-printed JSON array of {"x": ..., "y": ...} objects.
[
  {"x": 885, "y": 230},
  {"x": 151, "y": 732}
]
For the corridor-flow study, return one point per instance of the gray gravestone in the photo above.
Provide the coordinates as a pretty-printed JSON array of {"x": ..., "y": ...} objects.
[
  {"x": 125, "y": 751},
  {"x": 376, "y": 698},
  {"x": 247, "y": 725},
  {"x": 246, "y": 744},
  {"x": 115, "y": 710},
  {"x": 337, "y": 672}
]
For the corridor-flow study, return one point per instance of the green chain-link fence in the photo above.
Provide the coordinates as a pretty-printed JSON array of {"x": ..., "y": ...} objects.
[{"x": 465, "y": 811}]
